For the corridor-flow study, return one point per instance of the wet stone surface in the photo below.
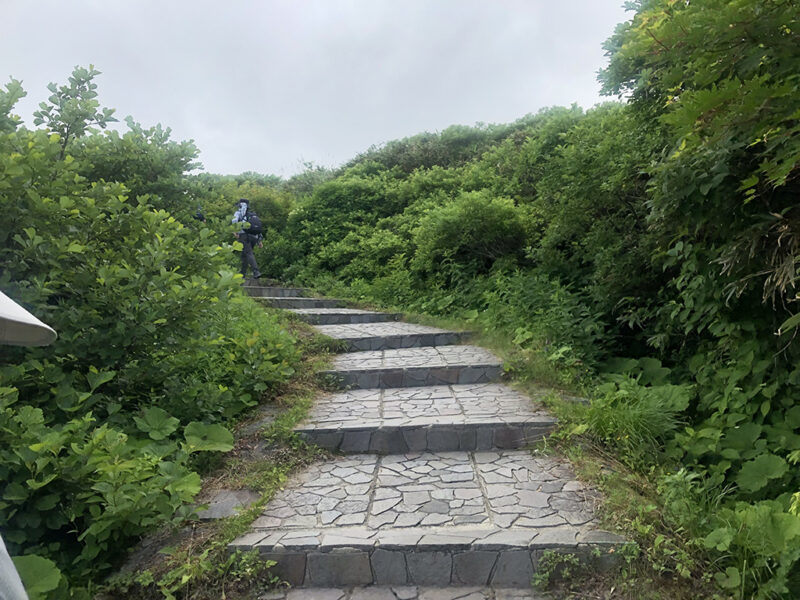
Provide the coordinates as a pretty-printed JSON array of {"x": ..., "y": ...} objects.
[{"x": 389, "y": 335}]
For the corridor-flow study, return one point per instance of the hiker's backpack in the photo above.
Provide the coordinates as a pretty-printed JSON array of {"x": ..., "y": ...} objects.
[{"x": 255, "y": 223}]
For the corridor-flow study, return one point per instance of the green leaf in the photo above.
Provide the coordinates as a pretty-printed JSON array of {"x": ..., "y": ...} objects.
[
  {"x": 157, "y": 423},
  {"x": 793, "y": 417},
  {"x": 730, "y": 579},
  {"x": 39, "y": 575},
  {"x": 98, "y": 378},
  {"x": 719, "y": 538},
  {"x": 15, "y": 491},
  {"x": 207, "y": 438},
  {"x": 789, "y": 324},
  {"x": 755, "y": 474}
]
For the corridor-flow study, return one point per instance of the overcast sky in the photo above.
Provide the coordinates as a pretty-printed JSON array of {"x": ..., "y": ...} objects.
[{"x": 263, "y": 85}]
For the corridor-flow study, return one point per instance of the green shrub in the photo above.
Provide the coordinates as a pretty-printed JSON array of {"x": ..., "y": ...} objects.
[
  {"x": 100, "y": 432},
  {"x": 472, "y": 232}
]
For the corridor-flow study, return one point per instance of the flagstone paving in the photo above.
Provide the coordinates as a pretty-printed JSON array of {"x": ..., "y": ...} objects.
[
  {"x": 338, "y": 316},
  {"x": 437, "y": 418},
  {"x": 388, "y": 335},
  {"x": 270, "y": 291},
  {"x": 411, "y": 367},
  {"x": 447, "y": 518},
  {"x": 433, "y": 494},
  {"x": 404, "y": 593},
  {"x": 297, "y": 302}
]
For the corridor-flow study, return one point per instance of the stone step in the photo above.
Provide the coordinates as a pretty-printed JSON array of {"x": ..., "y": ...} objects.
[
  {"x": 273, "y": 292},
  {"x": 298, "y": 302},
  {"x": 378, "y": 592},
  {"x": 412, "y": 367},
  {"x": 433, "y": 418},
  {"x": 340, "y": 316},
  {"x": 388, "y": 335},
  {"x": 431, "y": 519}
]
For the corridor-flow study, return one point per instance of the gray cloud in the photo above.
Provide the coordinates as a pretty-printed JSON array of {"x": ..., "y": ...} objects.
[{"x": 263, "y": 85}]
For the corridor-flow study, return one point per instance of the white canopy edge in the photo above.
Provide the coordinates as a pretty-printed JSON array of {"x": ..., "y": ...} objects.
[{"x": 18, "y": 327}]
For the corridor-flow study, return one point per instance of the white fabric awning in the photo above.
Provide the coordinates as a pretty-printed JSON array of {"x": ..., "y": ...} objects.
[{"x": 18, "y": 327}]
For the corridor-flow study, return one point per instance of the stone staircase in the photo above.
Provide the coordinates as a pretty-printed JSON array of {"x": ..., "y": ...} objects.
[{"x": 434, "y": 494}]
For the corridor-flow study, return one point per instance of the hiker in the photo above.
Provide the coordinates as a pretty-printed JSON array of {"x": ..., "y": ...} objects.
[{"x": 249, "y": 237}]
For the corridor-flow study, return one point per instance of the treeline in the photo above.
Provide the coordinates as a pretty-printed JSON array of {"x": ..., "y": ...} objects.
[
  {"x": 103, "y": 434},
  {"x": 647, "y": 249}
]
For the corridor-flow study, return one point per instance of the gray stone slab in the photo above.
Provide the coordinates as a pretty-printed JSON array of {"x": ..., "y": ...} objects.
[
  {"x": 389, "y": 567},
  {"x": 298, "y": 302},
  {"x": 390, "y": 335},
  {"x": 339, "y": 316},
  {"x": 226, "y": 503},
  {"x": 429, "y": 568},
  {"x": 316, "y": 594},
  {"x": 400, "y": 514},
  {"x": 272, "y": 291},
  {"x": 503, "y": 487},
  {"x": 404, "y": 593},
  {"x": 342, "y": 568},
  {"x": 372, "y": 593},
  {"x": 473, "y": 568},
  {"x": 411, "y": 367},
  {"x": 434, "y": 418},
  {"x": 407, "y": 358},
  {"x": 290, "y": 567},
  {"x": 514, "y": 568}
]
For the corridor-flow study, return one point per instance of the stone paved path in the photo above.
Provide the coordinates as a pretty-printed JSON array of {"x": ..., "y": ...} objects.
[
  {"x": 461, "y": 417},
  {"x": 404, "y": 593},
  {"x": 435, "y": 491},
  {"x": 383, "y": 335},
  {"x": 298, "y": 302},
  {"x": 408, "y": 367},
  {"x": 337, "y": 316}
]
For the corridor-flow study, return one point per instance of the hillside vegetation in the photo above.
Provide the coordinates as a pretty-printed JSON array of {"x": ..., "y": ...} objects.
[
  {"x": 647, "y": 250},
  {"x": 643, "y": 253}
]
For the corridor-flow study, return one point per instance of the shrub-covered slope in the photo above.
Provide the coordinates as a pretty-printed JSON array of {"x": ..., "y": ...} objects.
[
  {"x": 103, "y": 432},
  {"x": 657, "y": 239}
]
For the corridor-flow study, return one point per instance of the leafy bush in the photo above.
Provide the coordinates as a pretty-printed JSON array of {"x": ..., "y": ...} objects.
[
  {"x": 157, "y": 348},
  {"x": 473, "y": 232}
]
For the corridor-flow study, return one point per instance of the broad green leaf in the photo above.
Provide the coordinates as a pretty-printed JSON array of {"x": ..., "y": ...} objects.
[
  {"x": 719, "y": 538},
  {"x": 98, "y": 378},
  {"x": 15, "y": 491},
  {"x": 730, "y": 579},
  {"x": 755, "y": 474},
  {"x": 207, "y": 438},
  {"x": 39, "y": 575},
  {"x": 157, "y": 423}
]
